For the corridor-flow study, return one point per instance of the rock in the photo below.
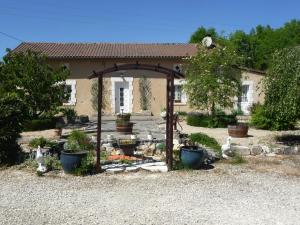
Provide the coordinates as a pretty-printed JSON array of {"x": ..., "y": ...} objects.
[
  {"x": 239, "y": 149},
  {"x": 256, "y": 150},
  {"x": 132, "y": 169},
  {"x": 272, "y": 154},
  {"x": 115, "y": 170},
  {"x": 278, "y": 150},
  {"x": 265, "y": 149},
  {"x": 290, "y": 150},
  {"x": 152, "y": 147},
  {"x": 155, "y": 169}
]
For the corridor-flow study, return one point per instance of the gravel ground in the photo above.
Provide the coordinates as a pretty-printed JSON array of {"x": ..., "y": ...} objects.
[{"x": 224, "y": 195}]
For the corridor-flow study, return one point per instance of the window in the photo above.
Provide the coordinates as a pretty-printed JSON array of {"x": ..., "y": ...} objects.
[
  {"x": 121, "y": 97},
  {"x": 244, "y": 96},
  {"x": 178, "y": 93},
  {"x": 71, "y": 89}
]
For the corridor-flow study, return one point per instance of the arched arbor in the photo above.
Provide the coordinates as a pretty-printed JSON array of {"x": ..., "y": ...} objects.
[{"x": 170, "y": 75}]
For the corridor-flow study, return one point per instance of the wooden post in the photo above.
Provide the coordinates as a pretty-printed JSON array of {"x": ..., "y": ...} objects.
[
  {"x": 167, "y": 120},
  {"x": 171, "y": 109},
  {"x": 100, "y": 86}
]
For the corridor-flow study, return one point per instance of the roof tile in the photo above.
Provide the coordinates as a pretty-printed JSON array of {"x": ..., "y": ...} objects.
[{"x": 109, "y": 50}]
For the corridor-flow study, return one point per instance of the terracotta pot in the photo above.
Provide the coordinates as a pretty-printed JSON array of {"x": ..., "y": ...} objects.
[
  {"x": 239, "y": 130},
  {"x": 125, "y": 128}
]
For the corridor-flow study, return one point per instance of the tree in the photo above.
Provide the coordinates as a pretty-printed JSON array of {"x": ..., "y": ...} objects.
[
  {"x": 257, "y": 46},
  {"x": 40, "y": 87},
  {"x": 282, "y": 89},
  {"x": 12, "y": 116},
  {"x": 213, "y": 78},
  {"x": 202, "y": 32}
]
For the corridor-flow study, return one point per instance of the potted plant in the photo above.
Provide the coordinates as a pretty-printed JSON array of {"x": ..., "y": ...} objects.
[
  {"x": 75, "y": 150},
  {"x": 123, "y": 124},
  {"x": 238, "y": 130},
  {"x": 127, "y": 146},
  {"x": 192, "y": 156}
]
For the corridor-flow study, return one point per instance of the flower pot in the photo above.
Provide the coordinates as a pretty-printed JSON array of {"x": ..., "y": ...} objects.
[
  {"x": 71, "y": 160},
  {"x": 192, "y": 156},
  {"x": 239, "y": 130},
  {"x": 125, "y": 128},
  {"x": 127, "y": 146}
]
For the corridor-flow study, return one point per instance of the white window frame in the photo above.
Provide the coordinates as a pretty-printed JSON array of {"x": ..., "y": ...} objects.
[
  {"x": 180, "y": 82},
  {"x": 72, "y": 99}
]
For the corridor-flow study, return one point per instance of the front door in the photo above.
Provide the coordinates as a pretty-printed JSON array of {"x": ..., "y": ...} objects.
[
  {"x": 244, "y": 99},
  {"x": 122, "y": 97}
]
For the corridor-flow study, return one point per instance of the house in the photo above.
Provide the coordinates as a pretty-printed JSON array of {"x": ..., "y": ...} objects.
[{"x": 126, "y": 90}]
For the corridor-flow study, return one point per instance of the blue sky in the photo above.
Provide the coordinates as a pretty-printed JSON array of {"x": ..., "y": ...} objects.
[{"x": 133, "y": 20}]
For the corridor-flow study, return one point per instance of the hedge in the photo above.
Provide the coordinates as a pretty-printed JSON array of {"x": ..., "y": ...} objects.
[
  {"x": 220, "y": 120},
  {"x": 39, "y": 124}
]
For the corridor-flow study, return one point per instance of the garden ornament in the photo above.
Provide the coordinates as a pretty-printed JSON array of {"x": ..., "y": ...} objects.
[
  {"x": 226, "y": 148},
  {"x": 40, "y": 160}
]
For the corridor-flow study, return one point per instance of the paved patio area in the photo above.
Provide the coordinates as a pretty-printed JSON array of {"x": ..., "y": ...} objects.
[{"x": 220, "y": 134}]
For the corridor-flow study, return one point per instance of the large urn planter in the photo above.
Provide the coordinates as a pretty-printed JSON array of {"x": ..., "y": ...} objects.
[
  {"x": 192, "y": 156},
  {"x": 71, "y": 160},
  {"x": 123, "y": 124},
  {"x": 75, "y": 150},
  {"x": 127, "y": 146},
  {"x": 239, "y": 130},
  {"x": 125, "y": 128}
]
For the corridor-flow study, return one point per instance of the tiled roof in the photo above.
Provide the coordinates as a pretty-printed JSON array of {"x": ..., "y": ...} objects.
[{"x": 109, "y": 50}]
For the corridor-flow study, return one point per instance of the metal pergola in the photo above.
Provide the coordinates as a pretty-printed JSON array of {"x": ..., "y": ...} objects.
[{"x": 170, "y": 75}]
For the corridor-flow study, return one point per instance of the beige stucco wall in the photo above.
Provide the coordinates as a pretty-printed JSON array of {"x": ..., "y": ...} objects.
[
  {"x": 256, "y": 78},
  {"x": 81, "y": 69}
]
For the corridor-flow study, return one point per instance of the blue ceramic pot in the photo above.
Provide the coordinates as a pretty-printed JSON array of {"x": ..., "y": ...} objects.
[
  {"x": 192, "y": 156},
  {"x": 71, "y": 160}
]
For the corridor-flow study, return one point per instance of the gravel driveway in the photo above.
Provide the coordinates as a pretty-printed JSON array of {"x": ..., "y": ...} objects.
[{"x": 231, "y": 195}]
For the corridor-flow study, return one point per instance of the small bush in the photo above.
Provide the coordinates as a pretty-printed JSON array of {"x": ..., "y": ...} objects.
[
  {"x": 41, "y": 141},
  {"x": 218, "y": 120},
  {"x": 260, "y": 119},
  {"x": 87, "y": 166},
  {"x": 181, "y": 113},
  {"x": 52, "y": 163},
  {"x": 70, "y": 113},
  {"x": 39, "y": 124},
  {"x": 78, "y": 141},
  {"x": 238, "y": 159},
  {"x": 207, "y": 141}
]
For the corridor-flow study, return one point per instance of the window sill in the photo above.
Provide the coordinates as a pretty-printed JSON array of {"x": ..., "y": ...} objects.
[{"x": 179, "y": 104}]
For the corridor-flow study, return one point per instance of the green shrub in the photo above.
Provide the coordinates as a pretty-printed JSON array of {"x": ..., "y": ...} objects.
[
  {"x": 218, "y": 120},
  {"x": 78, "y": 141},
  {"x": 39, "y": 124},
  {"x": 206, "y": 140},
  {"x": 52, "y": 163},
  {"x": 87, "y": 166},
  {"x": 238, "y": 159},
  {"x": 41, "y": 141},
  {"x": 181, "y": 113},
  {"x": 197, "y": 120},
  {"x": 70, "y": 113},
  {"x": 11, "y": 118},
  {"x": 261, "y": 119}
]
